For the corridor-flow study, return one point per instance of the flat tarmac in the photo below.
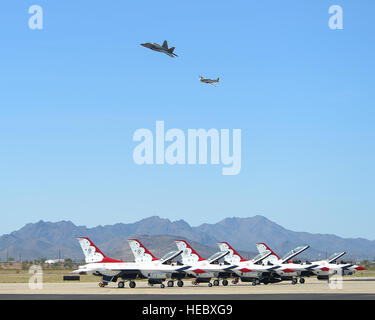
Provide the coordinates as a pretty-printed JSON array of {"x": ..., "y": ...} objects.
[{"x": 363, "y": 288}]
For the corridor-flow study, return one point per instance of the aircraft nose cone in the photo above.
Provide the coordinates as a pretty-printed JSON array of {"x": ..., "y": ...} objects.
[{"x": 360, "y": 268}]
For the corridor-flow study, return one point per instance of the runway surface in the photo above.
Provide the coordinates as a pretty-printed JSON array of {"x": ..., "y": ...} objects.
[
  {"x": 195, "y": 297},
  {"x": 363, "y": 289}
]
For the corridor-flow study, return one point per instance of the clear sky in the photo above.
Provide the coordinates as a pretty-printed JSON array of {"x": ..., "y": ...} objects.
[{"x": 73, "y": 94}]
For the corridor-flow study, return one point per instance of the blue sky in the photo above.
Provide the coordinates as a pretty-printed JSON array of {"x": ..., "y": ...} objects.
[{"x": 73, "y": 94}]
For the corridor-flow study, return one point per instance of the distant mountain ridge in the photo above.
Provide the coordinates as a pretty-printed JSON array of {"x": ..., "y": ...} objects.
[{"x": 45, "y": 239}]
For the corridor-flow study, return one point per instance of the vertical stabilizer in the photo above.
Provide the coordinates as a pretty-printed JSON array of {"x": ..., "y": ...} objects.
[
  {"x": 188, "y": 255},
  {"x": 263, "y": 248},
  {"x": 141, "y": 253},
  {"x": 92, "y": 252},
  {"x": 233, "y": 256}
]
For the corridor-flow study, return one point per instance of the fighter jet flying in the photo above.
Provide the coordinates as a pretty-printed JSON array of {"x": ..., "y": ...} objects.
[
  {"x": 159, "y": 48},
  {"x": 209, "y": 81}
]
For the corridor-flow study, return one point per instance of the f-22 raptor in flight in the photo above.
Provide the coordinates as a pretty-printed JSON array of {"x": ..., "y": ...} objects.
[{"x": 159, "y": 48}]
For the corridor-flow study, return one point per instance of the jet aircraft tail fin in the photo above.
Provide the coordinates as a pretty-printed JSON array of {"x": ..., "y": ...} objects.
[
  {"x": 233, "y": 256},
  {"x": 140, "y": 252},
  {"x": 165, "y": 44},
  {"x": 92, "y": 252},
  {"x": 189, "y": 255},
  {"x": 263, "y": 248}
]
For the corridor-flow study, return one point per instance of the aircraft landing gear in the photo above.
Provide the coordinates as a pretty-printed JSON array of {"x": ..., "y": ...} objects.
[
  {"x": 302, "y": 280},
  {"x": 170, "y": 283},
  {"x": 180, "y": 283},
  {"x": 210, "y": 284},
  {"x": 132, "y": 284},
  {"x": 225, "y": 282},
  {"x": 216, "y": 283},
  {"x": 235, "y": 281},
  {"x": 162, "y": 285},
  {"x": 294, "y": 281},
  {"x": 121, "y": 284}
]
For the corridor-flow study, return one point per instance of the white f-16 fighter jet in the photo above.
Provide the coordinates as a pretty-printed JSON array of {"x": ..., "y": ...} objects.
[
  {"x": 110, "y": 270},
  {"x": 203, "y": 270},
  {"x": 330, "y": 266},
  {"x": 252, "y": 270},
  {"x": 145, "y": 258},
  {"x": 322, "y": 269}
]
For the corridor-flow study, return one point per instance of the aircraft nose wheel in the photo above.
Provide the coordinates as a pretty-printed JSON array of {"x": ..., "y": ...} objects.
[
  {"x": 294, "y": 281},
  {"x": 162, "y": 286},
  {"x": 210, "y": 284},
  {"x": 121, "y": 284}
]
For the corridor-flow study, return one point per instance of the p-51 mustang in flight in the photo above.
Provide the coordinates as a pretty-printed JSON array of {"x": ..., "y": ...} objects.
[{"x": 209, "y": 81}]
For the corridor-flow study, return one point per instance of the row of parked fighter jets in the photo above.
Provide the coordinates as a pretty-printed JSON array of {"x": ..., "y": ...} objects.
[{"x": 266, "y": 267}]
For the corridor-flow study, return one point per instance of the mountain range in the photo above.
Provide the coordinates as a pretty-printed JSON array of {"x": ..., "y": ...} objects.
[{"x": 47, "y": 239}]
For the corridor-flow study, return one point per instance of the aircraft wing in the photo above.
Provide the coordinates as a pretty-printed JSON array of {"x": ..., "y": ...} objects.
[{"x": 79, "y": 271}]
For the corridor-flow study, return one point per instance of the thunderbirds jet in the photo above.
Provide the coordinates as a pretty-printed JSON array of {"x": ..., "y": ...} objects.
[
  {"x": 329, "y": 267},
  {"x": 252, "y": 270},
  {"x": 322, "y": 268},
  {"x": 111, "y": 270},
  {"x": 298, "y": 270},
  {"x": 274, "y": 258},
  {"x": 159, "y": 48},
  {"x": 203, "y": 270},
  {"x": 209, "y": 81},
  {"x": 145, "y": 258}
]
